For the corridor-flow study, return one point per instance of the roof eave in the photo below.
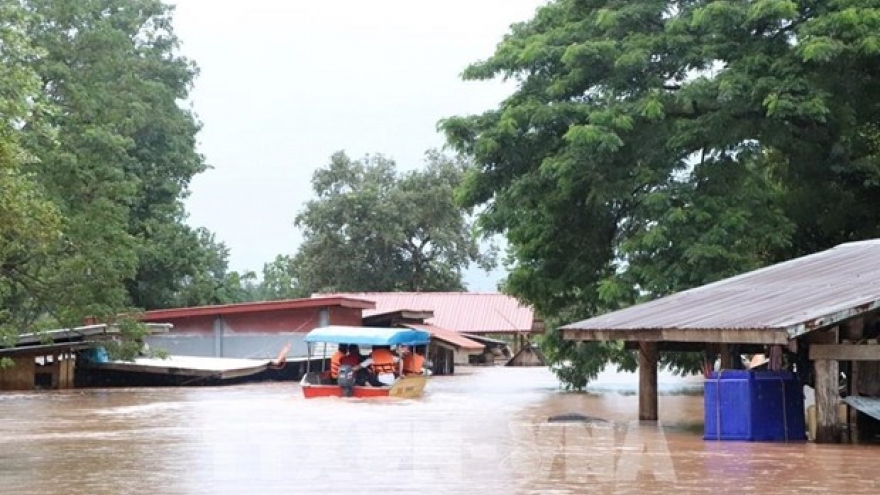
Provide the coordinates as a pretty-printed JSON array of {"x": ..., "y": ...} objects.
[
  {"x": 242, "y": 308},
  {"x": 768, "y": 336},
  {"x": 800, "y": 328}
]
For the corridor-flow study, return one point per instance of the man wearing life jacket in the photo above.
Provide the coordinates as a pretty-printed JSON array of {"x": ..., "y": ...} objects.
[
  {"x": 341, "y": 357},
  {"x": 413, "y": 361},
  {"x": 336, "y": 360},
  {"x": 381, "y": 367}
]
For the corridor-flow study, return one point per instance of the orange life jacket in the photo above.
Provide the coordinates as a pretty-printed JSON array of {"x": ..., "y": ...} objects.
[
  {"x": 383, "y": 361},
  {"x": 338, "y": 359},
  {"x": 412, "y": 364},
  {"x": 335, "y": 361}
]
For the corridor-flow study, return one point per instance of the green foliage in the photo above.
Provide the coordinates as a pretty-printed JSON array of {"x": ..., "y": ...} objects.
[
  {"x": 576, "y": 363},
  {"x": 129, "y": 343},
  {"x": 280, "y": 280},
  {"x": 211, "y": 281},
  {"x": 653, "y": 146},
  {"x": 374, "y": 229},
  {"x": 96, "y": 156},
  {"x": 29, "y": 221},
  {"x": 111, "y": 70}
]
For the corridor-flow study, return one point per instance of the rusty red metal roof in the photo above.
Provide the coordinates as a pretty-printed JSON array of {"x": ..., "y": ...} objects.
[
  {"x": 239, "y": 308},
  {"x": 449, "y": 336},
  {"x": 467, "y": 312},
  {"x": 796, "y": 296}
]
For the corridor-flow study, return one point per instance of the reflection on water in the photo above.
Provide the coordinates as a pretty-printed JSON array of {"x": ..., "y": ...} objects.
[{"x": 482, "y": 431}]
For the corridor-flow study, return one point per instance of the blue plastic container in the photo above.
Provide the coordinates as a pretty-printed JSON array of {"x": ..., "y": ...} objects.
[
  {"x": 763, "y": 406},
  {"x": 96, "y": 355}
]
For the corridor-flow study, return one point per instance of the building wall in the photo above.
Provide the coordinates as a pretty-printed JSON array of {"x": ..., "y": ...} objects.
[
  {"x": 346, "y": 316},
  {"x": 442, "y": 360},
  {"x": 20, "y": 376},
  {"x": 193, "y": 326},
  {"x": 259, "y": 335},
  {"x": 464, "y": 357}
]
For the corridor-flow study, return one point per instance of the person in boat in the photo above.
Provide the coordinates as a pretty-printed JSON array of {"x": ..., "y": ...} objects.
[
  {"x": 380, "y": 369},
  {"x": 355, "y": 352},
  {"x": 343, "y": 356},
  {"x": 413, "y": 360}
]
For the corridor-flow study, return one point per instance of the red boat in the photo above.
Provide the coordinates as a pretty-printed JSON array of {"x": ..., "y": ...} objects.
[
  {"x": 406, "y": 387},
  {"x": 318, "y": 384}
]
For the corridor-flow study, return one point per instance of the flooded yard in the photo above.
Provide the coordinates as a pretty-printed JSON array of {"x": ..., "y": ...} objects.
[{"x": 483, "y": 431}]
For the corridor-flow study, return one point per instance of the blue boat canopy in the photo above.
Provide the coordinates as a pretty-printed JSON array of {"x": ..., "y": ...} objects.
[{"x": 337, "y": 334}]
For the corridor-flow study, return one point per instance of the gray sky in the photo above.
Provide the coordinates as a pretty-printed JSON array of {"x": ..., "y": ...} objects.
[{"x": 286, "y": 83}]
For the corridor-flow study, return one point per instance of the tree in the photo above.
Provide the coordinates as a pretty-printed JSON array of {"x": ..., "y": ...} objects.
[
  {"x": 213, "y": 282},
  {"x": 373, "y": 229},
  {"x": 655, "y": 145},
  {"x": 122, "y": 154},
  {"x": 96, "y": 155},
  {"x": 29, "y": 222},
  {"x": 280, "y": 281}
]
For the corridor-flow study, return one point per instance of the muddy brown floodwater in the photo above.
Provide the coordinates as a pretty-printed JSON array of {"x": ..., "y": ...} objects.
[{"x": 484, "y": 431}]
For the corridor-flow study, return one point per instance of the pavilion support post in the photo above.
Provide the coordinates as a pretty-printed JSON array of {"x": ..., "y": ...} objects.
[
  {"x": 725, "y": 356},
  {"x": 648, "y": 381},
  {"x": 827, "y": 378},
  {"x": 854, "y": 331}
]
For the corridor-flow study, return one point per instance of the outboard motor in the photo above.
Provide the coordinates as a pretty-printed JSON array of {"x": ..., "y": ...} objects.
[{"x": 346, "y": 380}]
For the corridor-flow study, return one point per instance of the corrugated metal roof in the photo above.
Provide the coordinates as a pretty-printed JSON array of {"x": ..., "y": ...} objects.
[
  {"x": 796, "y": 296},
  {"x": 82, "y": 333},
  {"x": 449, "y": 336},
  {"x": 468, "y": 312}
]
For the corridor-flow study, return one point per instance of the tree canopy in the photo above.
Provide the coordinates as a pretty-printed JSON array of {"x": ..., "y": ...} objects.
[
  {"x": 373, "y": 228},
  {"x": 29, "y": 221},
  {"x": 97, "y": 152},
  {"x": 652, "y": 146}
]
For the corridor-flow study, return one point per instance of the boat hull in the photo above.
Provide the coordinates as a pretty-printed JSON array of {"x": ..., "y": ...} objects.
[{"x": 409, "y": 387}]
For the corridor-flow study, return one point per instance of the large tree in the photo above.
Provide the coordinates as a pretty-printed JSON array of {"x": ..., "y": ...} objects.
[
  {"x": 97, "y": 152},
  {"x": 372, "y": 228},
  {"x": 124, "y": 151},
  {"x": 29, "y": 222},
  {"x": 652, "y": 146}
]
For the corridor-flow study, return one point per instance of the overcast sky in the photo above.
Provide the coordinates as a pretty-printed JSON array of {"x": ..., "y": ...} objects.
[{"x": 286, "y": 83}]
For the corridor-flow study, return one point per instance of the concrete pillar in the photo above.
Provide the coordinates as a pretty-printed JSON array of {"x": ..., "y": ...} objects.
[{"x": 219, "y": 330}]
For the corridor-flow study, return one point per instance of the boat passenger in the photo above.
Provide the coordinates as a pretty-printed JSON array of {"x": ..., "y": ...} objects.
[
  {"x": 378, "y": 369},
  {"x": 341, "y": 357},
  {"x": 413, "y": 360},
  {"x": 355, "y": 352}
]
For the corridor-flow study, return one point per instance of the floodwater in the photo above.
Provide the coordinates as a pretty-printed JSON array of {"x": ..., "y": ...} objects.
[{"x": 483, "y": 431}]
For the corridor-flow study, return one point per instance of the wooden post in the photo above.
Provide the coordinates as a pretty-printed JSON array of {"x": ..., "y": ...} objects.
[
  {"x": 853, "y": 412},
  {"x": 854, "y": 331},
  {"x": 827, "y": 378},
  {"x": 56, "y": 371},
  {"x": 648, "y": 381},
  {"x": 725, "y": 356},
  {"x": 67, "y": 371}
]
